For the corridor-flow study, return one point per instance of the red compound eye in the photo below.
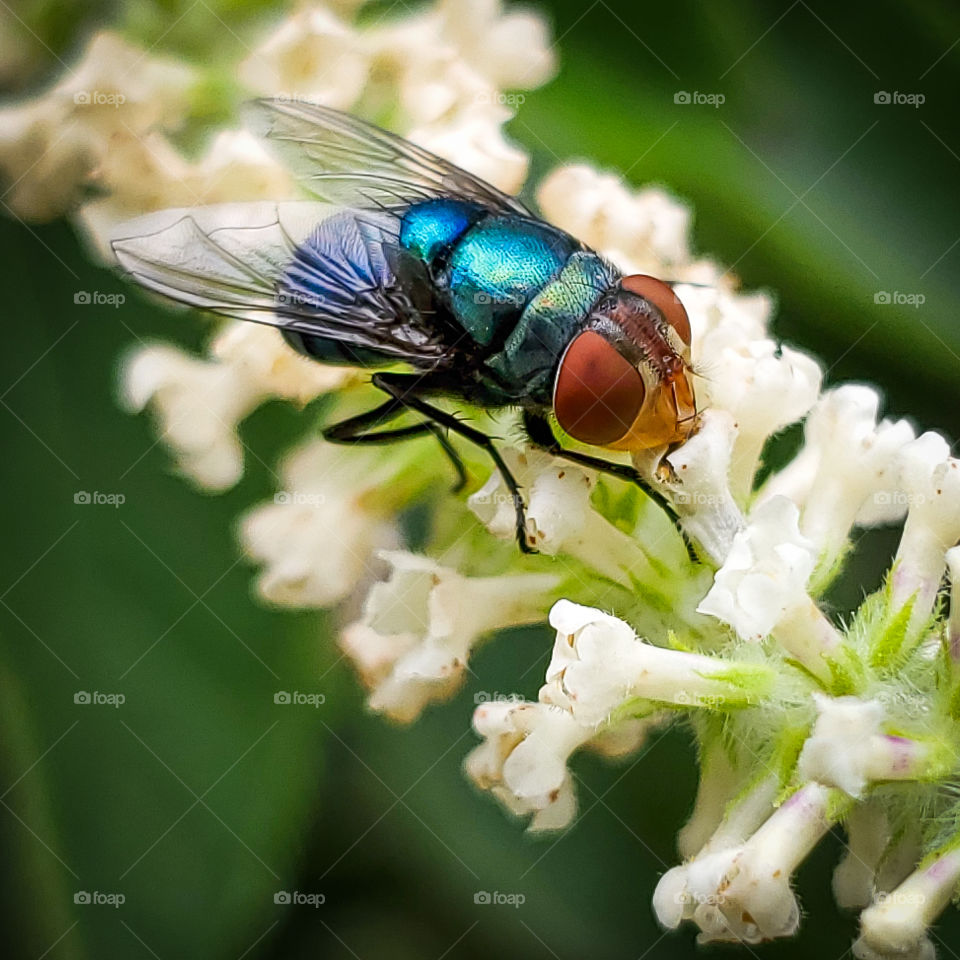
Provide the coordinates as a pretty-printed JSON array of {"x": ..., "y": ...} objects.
[
  {"x": 663, "y": 298},
  {"x": 598, "y": 393}
]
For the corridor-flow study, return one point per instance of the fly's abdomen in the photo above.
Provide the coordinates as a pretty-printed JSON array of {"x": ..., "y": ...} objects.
[{"x": 430, "y": 229}]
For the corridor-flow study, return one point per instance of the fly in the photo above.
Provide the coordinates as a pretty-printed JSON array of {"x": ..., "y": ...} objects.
[{"x": 403, "y": 256}]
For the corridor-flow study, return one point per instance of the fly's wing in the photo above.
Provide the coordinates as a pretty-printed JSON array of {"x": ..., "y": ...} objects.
[
  {"x": 347, "y": 161},
  {"x": 300, "y": 266}
]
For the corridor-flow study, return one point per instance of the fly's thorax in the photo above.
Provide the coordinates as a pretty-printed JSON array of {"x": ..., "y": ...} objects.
[
  {"x": 528, "y": 359},
  {"x": 496, "y": 268},
  {"x": 625, "y": 381}
]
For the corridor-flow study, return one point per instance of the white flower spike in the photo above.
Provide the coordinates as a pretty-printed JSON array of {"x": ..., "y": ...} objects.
[
  {"x": 412, "y": 644},
  {"x": 802, "y": 719}
]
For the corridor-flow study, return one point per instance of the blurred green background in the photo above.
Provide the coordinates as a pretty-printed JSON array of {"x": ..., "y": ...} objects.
[{"x": 198, "y": 799}]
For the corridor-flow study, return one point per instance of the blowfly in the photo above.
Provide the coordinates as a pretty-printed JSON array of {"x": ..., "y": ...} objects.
[{"x": 404, "y": 257}]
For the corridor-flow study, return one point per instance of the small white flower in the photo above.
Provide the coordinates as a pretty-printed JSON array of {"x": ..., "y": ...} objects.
[
  {"x": 313, "y": 55},
  {"x": 845, "y": 470},
  {"x": 765, "y": 574},
  {"x": 868, "y": 834},
  {"x": 512, "y": 49},
  {"x": 198, "y": 405},
  {"x": 599, "y": 666},
  {"x": 125, "y": 87},
  {"x": 712, "y": 305},
  {"x": 523, "y": 759},
  {"x": 763, "y": 388},
  {"x": 682, "y": 889},
  {"x": 51, "y": 146},
  {"x": 743, "y": 893},
  {"x": 418, "y": 627},
  {"x": 260, "y": 354},
  {"x": 699, "y": 485},
  {"x": 317, "y": 539},
  {"x": 840, "y": 751},
  {"x": 642, "y": 232},
  {"x": 201, "y": 402},
  {"x": 146, "y": 174},
  {"x": 718, "y": 784},
  {"x": 896, "y": 924},
  {"x": 475, "y": 141},
  {"x": 562, "y": 520},
  {"x": 931, "y": 480}
]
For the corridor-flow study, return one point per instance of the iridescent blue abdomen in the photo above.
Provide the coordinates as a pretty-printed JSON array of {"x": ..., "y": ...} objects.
[{"x": 430, "y": 229}]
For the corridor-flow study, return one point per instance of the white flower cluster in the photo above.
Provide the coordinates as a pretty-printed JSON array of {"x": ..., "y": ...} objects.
[{"x": 824, "y": 722}]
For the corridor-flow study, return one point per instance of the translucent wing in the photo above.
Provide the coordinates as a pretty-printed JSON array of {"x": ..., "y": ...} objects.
[
  {"x": 302, "y": 267},
  {"x": 350, "y": 162}
]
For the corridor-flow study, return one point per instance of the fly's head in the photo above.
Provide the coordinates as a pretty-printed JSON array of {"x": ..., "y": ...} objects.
[{"x": 625, "y": 381}]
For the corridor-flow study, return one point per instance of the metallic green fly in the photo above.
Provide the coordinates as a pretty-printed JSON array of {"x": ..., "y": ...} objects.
[{"x": 426, "y": 264}]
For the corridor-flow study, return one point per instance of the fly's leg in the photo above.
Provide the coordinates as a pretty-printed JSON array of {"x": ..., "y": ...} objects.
[
  {"x": 541, "y": 435},
  {"x": 402, "y": 387},
  {"x": 352, "y": 431}
]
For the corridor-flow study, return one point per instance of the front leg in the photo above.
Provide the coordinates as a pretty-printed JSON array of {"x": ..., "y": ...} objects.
[
  {"x": 403, "y": 388},
  {"x": 541, "y": 435}
]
